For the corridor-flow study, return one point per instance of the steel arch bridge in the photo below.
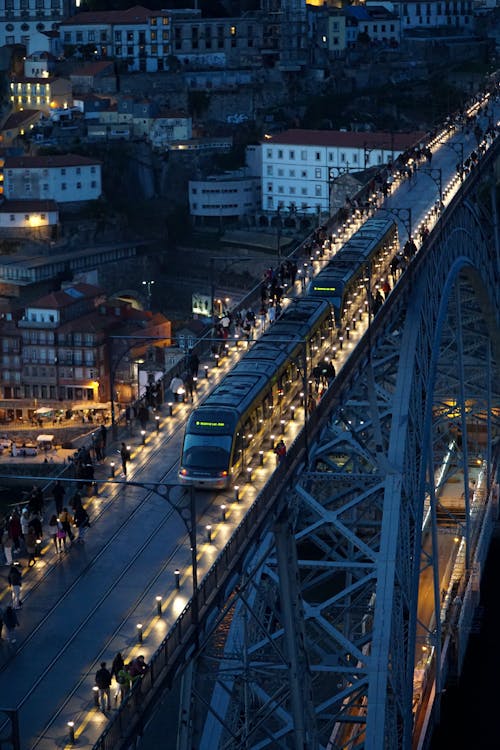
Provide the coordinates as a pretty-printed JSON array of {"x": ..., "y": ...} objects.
[{"x": 320, "y": 645}]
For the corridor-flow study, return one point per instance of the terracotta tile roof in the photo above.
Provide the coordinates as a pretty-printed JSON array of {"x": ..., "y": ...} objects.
[
  {"x": 48, "y": 161},
  {"x": 347, "y": 139},
  {"x": 19, "y": 207},
  {"x": 16, "y": 119},
  {"x": 95, "y": 321},
  {"x": 67, "y": 297},
  {"x": 137, "y": 14}
]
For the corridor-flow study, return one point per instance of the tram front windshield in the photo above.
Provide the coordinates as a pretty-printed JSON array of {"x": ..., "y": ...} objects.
[{"x": 207, "y": 452}]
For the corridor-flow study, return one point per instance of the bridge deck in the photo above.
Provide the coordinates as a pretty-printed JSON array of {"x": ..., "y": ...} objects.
[{"x": 84, "y": 606}]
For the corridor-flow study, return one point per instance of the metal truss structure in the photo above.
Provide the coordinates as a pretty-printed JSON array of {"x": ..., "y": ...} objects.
[{"x": 317, "y": 646}]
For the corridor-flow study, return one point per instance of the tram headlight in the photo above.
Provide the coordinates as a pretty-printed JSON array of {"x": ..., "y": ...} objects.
[{"x": 183, "y": 472}]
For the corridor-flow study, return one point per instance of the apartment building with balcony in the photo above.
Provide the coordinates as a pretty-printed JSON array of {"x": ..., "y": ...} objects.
[
  {"x": 63, "y": 352},
  {"x": 58, "y": 351},
  {"x": 25, "y": 21},
  {"x": 64, "y": 178},
  {"x": 11, "y": 348},
  {"x": 139, "y": 37}
]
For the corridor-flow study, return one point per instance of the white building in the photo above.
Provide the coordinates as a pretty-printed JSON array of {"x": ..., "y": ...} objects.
[
  {"x": 25, "y": 21},
  {"x": 65, "y": 178},
  {"x": 299, "y": 166},
  {"x": 228, "y": 196},
  {"x": 138, "y": 36},
  {"x": 37, "y": 218},
  {"x": 39, "y": 64},
  {"x": 437, "y": 13}
]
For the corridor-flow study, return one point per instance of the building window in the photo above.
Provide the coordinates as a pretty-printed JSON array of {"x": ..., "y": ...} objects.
[
  {"x": 118, "y": 36},
  {"x": 78, "y": 185},
  {"x": 91, "y": 36},
  {"x": 303, "y": 173},
  {"x": 12, "y": 217},
  {"x": 63, "y": 186},
  {"x": 93, "y": 184},
  {"x": 317, "y": 173},
  {"x": 63, "y": 171},
  {"x": 317, "y": 190},
  {"x": 342, "y": 157},
  {"x": 269, "y": 170},
  {"x": 303, "y": 155},
  {"x": 269, "y": 153},
  {"x": 292, "y": 154},
  {"x": 317, "y": 155},
  {"x": 280, "y": 154}
]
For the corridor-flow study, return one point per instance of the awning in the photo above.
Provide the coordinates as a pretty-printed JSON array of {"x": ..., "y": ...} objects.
[
  {"x": 90, "y": 406},
  {"x": 43, "y": 410},
  {"x": 45, "y": 438}
]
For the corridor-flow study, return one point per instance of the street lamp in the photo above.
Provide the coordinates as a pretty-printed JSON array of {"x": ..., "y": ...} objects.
[
  {"x": 436, "y": 174},
  {"x": 333, "y": 174},
  {"x": 139, "y": 362},
  {"x": 148, "y": 285}
]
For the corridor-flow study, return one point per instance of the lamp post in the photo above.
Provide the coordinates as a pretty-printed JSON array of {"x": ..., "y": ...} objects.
[
  {"x": 404, "y": 214},
  {"x": 278, "y": 234},
  {"x": 333, "y": 174},
  {"x": 436, "y": 174},
  {"x": 148, "y": 285}
]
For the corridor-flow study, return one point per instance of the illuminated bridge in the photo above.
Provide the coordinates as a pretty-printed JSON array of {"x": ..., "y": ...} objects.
[
  {"x": 356, "y": 597},
  {"x": 337, "y": 591}
]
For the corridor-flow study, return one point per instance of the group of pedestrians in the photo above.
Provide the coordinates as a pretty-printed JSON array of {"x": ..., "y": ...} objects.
[{"x": 125, "y": 676}]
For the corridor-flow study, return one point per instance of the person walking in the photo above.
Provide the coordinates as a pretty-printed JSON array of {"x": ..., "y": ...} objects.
[
  {"x": 53, "y": 526},
  {"x": 280, "y": 451},
  {"x": 66, "y": 521},
  {"x": 7, "y": 546},
  {"x": 15, "y": 532},
  {"x": 137, "y": 668},
  {"x": 125, "y": 457},
  {"x": 104, "y": 438},
  {"x": 123, "y": 682},
  {"x": 15, "y": 581},
  {"x": 60, "y": 537},
  {"x": 11, "y": 623},
  {"x": 117, "y": 665},
  {"x": 58, "y": 495},
  {"x": 103, "y": 682},
  {"x": 193, "y": 363},
  {"x": 177, "y": 388},
  {"x": 82, "y": 523},
  {"x": 30, "y": 541}
]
